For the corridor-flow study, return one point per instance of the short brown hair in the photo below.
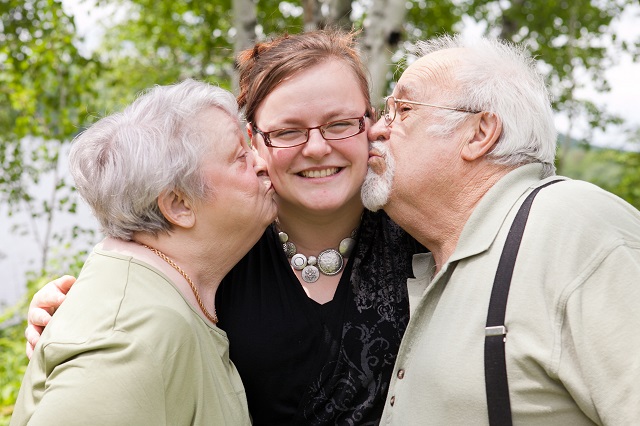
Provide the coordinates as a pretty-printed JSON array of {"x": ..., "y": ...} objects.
[{"x": 263, "y": 67}]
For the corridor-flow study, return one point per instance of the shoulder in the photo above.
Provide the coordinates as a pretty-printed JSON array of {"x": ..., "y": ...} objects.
[
  {"x": 579, "y": 204},
  {"x": 118, "y": 298},
  {"x": 577, "y": 233}
]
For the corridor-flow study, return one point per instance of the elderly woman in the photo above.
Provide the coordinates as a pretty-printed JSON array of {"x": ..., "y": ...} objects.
[{"x": 181, "y": 198}]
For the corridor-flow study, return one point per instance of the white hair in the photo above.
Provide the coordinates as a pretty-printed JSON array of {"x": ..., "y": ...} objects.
[
  {"x": 500, "y": 77},
  {"x": 123, "y": 162}
]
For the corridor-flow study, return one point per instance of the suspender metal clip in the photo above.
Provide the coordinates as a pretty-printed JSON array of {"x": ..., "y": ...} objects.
[{"x": 497, "y": 330}]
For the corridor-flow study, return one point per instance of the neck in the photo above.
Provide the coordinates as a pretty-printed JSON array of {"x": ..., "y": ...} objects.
[
  {"x": 437, "y": 219},
  {"x": 438, "y": 233},
  {"x": 313, "y": 232},
  {"x": 196, "y": 257},
  {"x": 210, "y": 316},
  {"x": 198, "y": 264}
]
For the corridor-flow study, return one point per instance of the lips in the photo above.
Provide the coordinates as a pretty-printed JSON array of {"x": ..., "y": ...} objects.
[
  {"x": 319, "y": 173},
  {"x": 376, "y": 162},
  {"x": 267, "y": 184}
]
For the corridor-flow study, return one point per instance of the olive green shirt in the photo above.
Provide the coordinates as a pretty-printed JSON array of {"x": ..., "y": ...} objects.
[
  {"x": 573, "y": 314},
  {"x": 127, "y": 349}
]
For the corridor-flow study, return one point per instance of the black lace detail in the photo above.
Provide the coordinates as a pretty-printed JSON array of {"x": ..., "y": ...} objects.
[{"x": 352, "y": 389}]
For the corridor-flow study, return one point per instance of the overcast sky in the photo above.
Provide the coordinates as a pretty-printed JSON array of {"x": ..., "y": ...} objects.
[{"x": 624, "y": 78}]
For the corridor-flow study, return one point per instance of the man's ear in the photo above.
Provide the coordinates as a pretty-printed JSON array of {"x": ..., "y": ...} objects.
[
  {"x": 488, "y": 128},
  {"x": 249, "y": 131},
  {"x": 176, "y": 209}
]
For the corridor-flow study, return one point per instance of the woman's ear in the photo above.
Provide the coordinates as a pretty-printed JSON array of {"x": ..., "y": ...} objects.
[
  {"x": 176, "y": 209},
  {"x": 487, "y": 131}
]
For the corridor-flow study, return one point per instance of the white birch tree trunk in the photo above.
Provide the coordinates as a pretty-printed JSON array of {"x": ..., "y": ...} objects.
[
  {"x": 323, "y": 13},
  {"x": 244, "y": 21},
  {"x": 311, "y": 14},
  {"x": 382, "y": 34},
  {"x": 340, "y": 14}
]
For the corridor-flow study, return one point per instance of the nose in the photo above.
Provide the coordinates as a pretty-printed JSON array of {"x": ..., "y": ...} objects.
[
  {"x": 259, "y": 164},
  {"x": 379, "y": 131},
  {"x": 317, "y": 146}
]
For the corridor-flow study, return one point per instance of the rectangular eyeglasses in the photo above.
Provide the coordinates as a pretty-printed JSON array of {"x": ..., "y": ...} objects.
[
  {"x": 332, "y": 131},
  {"x": 391, "y": 107}
]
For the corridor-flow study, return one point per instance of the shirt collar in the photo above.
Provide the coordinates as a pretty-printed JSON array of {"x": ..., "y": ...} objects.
[{"x": 491, "y": 212}]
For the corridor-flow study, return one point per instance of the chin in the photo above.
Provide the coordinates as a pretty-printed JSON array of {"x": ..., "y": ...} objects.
[{"x": 375, "y": 191}]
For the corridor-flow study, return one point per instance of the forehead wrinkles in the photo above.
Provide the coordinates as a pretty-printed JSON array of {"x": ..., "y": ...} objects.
[{"x": 427, "y": 75}]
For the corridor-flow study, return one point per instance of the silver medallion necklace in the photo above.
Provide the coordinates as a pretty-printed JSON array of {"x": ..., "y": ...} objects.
[{"x": 328, "y": 262}]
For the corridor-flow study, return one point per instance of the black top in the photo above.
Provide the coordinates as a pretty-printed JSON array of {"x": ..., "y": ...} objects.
[{"x": 306, "y": 363}]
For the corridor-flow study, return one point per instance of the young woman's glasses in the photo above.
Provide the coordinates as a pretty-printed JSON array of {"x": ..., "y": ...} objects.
[
  {"x": 391, "y": 107},
  {"x": 332, "y": 131}
]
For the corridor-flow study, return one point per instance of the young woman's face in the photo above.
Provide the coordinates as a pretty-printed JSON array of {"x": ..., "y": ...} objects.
[{"x": 321, "y": 175}]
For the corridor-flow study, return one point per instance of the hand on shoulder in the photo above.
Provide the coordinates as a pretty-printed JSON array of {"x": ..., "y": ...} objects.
[{"x": 42, "y": 307}]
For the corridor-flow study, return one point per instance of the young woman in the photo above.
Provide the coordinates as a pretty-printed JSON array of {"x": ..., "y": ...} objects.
[{"x": 314, "y": 331}]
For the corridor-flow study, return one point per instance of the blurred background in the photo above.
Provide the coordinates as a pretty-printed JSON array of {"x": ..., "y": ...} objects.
[{"x": 64, "y": 64}]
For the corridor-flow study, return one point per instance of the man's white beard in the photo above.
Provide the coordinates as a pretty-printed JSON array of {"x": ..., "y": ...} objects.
[{"x": 376, "y": 188}]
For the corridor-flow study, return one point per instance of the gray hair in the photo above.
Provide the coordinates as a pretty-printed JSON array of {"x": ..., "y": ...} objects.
[
  {"x": 123, "y": 162},
  {"x": 500, "y": 77}
]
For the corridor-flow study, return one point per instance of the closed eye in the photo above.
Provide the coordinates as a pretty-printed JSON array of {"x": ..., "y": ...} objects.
[
  {"x": 340, "y": 124},
  {"x": 287, "y": 133}
]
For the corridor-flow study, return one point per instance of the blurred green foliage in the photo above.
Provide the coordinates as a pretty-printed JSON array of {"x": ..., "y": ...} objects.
[
  {"x": 13, "y": 360},
  {"x": 615, "y": 170}
]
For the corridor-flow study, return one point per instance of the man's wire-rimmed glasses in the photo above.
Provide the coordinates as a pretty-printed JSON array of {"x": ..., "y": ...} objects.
[
  {"x": 391, "y": 107},
  {"x": 332, "y": 131}
]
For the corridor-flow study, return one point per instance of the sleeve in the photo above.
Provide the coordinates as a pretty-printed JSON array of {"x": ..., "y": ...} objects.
[
  {"x": 600, "y": 361},
  {"x": 122, "y": 379}
]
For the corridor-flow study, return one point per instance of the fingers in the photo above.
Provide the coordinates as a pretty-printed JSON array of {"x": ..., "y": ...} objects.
[
  {"x": 42, "y": 306},
  {"x": 39, "y": 317},
  {"x": 64, "y": 283},
  {"x": 32, "y": 334},
  {"x": 51, "y": 295}
]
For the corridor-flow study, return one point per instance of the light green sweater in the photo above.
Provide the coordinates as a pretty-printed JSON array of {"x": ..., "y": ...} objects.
[{"x": 127, "y": 349}]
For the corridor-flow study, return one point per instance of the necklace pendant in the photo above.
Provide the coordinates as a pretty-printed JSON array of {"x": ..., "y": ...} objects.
[
  {"x": 289, "y": 249},
  {"x": 346, "y": 246},
  {"x": 298, "y": 261},
  {"x": 310, "y": 274},
  {"x": 330, "y": 262}
]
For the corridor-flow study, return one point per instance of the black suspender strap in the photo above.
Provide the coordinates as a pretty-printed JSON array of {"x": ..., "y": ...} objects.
[{"x": 495, "y": 367}]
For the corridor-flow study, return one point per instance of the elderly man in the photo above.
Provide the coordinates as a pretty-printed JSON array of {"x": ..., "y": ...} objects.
[{"x": 466, "y": 137}]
